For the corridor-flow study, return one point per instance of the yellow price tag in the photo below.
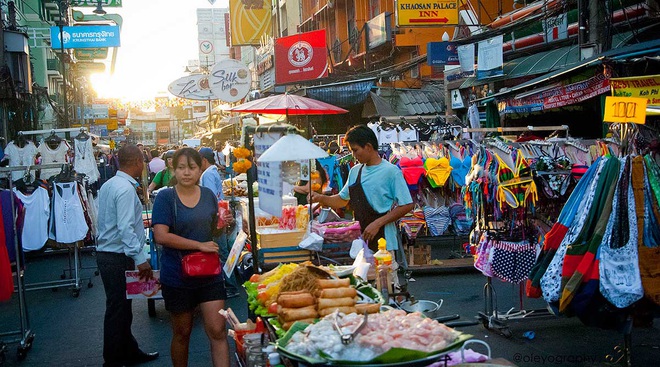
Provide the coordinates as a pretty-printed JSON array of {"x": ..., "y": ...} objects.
[
  {"x": 625, "y": 109},
  {"x": 500, "y": 130}
]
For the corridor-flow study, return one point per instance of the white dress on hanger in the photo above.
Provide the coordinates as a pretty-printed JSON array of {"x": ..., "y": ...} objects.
[
  {"x": 37, "y": 212},
  {"x": 84, "y": 161},
  {"x": 49, "y": 156},
  {"x": 20, "y": 157},
  {"x": 70, "y": 224}
]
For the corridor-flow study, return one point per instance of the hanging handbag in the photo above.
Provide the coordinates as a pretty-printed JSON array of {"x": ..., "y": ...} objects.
[{"x": 198, "y": 264}]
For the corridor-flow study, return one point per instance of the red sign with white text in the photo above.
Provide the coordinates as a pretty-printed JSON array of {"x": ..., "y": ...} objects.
[{"x": 301, "y": 57}]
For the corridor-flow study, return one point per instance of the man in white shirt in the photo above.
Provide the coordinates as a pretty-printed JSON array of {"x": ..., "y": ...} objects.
[
  {"x": 121, "y": 241},
  {"x": 156, "y": 164}
]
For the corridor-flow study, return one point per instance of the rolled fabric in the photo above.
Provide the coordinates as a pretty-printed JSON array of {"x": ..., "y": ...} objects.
[
  {"x": 344, "y": 310},
  {"x": 295, "y": 314},
  {"x": 335, "y": 302},
  {"x": 295, "y": 299},
  {"x": 337, "y": 293},
  {"x": 333, "y": 283}
]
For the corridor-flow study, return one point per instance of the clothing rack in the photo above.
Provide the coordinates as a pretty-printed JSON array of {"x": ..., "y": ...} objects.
[
  {"x": 24, "y": 335},
  {"x": 515, "y": 129},
  {"x": 74, "y": 268},
  {"x": 40, "y": 132}
]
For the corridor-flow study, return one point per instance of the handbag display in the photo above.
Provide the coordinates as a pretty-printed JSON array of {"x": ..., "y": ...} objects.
[{"x": 198, "y": 264}]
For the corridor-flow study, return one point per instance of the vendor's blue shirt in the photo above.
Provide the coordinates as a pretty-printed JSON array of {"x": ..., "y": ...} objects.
[
  {"x": 192, "y": 223},
  {"x": 384, "y": 186}
]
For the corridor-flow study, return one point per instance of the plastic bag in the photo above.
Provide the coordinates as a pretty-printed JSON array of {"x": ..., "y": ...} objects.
[
  {"x": 312, "y": 242},
  {"x": 337, "y": 232}
]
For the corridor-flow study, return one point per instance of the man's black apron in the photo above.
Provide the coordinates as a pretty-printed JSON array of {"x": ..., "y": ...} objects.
[{"x": 364, "y": 212}]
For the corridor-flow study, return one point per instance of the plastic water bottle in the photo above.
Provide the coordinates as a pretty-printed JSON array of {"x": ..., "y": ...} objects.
[{"x": 383, "y": 260}]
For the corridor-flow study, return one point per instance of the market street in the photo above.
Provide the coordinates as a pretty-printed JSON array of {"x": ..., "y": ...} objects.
[{"x": 69, "y": 330}]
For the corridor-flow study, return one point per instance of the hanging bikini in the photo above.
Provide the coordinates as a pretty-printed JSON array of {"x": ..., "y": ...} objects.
[
  {"x": 437, "y": 171},
  {"x": 515, "y": 188},
  {"x": 553, "y": 175}
]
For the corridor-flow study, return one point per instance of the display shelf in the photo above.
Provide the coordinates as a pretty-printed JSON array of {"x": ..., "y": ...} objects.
[{"x": 448, "y": 249}]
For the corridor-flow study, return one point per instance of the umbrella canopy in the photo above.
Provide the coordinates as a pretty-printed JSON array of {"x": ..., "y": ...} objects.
[
  {"x": 282, "y": 150},
  {"x": 288, "y": 104}
]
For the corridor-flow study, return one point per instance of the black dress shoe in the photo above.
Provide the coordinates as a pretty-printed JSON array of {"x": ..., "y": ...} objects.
[{"x": 141, "y": 358}]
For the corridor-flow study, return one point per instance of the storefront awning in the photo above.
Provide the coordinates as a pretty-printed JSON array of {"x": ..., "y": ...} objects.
[
  {"x": 345, "y": 94},
  {"x": 543, "y": 62},
  {"x": 375, "y": 106},
  {"x": 644, "y": 48}
]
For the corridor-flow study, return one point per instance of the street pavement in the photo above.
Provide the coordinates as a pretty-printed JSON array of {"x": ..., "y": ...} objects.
[{"x": 69, "y": 329}]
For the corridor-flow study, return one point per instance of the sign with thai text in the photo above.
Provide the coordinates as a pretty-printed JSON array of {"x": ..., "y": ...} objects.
[
  {"x": 561, "y": 96},
  {"x": 426, "y": 12},
  {"x": 442, "y": 53},
  {"x": 301, "y": 57},
  {"x": 625, "y": 109},
  {"x": 85, "y": 36}
]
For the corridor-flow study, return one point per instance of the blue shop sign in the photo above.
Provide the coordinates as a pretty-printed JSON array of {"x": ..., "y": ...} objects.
[
  {"x": 85, "y": 36},
  {"x": 442, "y": 53}
]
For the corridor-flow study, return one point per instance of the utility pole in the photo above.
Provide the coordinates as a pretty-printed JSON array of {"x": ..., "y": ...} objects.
[
  {"x": 63, "y": 13},
  {"x": 600, "y": 24},
  {"x": 3, "y": 112}
]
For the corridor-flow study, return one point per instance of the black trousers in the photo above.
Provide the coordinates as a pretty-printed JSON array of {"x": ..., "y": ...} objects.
[{"x": 119, "y": 344}]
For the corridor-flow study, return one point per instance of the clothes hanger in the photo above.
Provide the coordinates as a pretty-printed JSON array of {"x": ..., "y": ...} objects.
[{"x": 82, "y": 135}]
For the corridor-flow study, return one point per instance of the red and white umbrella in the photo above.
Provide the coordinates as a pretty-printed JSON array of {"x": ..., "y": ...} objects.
[{"x": 288, "y": 104}]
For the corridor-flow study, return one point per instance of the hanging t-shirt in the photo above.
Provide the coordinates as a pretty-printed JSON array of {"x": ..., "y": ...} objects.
[
  {"x": 37, "y": 211},
  {"x": 70, "y": 223},
  {"x": 408, "y": 134},
  {"x": 20, "y": 157},
  {"x": 8, "y": 223},
  {"x": 50, "y": 156},
  {"x": 84, "y": 161}
]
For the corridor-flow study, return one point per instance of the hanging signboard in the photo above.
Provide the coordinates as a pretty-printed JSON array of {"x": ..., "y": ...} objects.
[
  {"x": 230, "y": 80},
  {"x": 426, "y": 12},
  {"x": 301, "y": 57},
  {"x": 643, "y": 87},
  {"x": 379, "y": 31},
  {"x": 94, "y": 3},
  {"x": 466, "y": 57},
  {"x": 249, "y": 20},
  {"x": 269, "y": 175},
  {"x": 85, "y": 36},
  {"x": 625, "y": 109},
  {"x": 560, "y": 96},
  {"x": 91, "y": 53},
  {"x": 442, "y": 53},
  {"x": 456, "y": 99},
  {"x": 490, "y": 58},
  {"x": 195, "y": 87},
  {"x": 556, "y": 28}
]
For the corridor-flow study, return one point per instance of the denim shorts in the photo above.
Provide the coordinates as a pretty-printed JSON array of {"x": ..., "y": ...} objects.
[{"x": 186, "y": 299}]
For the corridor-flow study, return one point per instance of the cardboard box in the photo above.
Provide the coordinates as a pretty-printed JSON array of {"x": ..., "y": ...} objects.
[{"x": 419, "y": 255}]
